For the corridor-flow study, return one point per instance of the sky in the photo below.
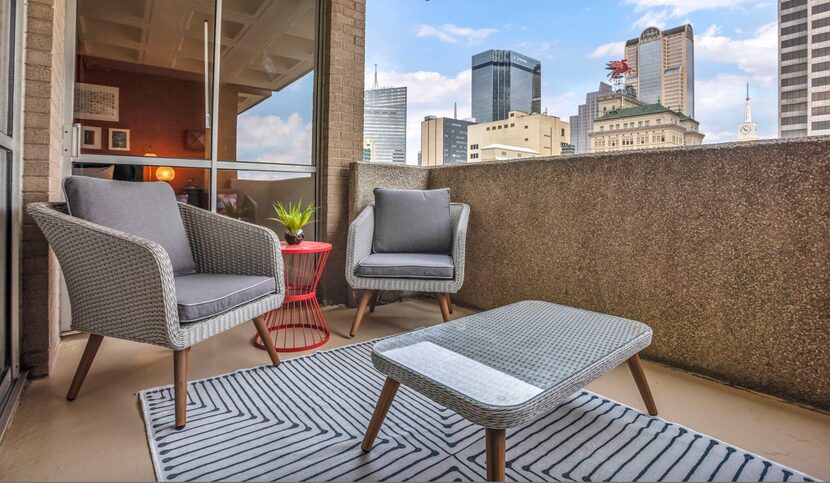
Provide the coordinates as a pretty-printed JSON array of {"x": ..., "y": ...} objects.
[{"x": 427, "y": 46}]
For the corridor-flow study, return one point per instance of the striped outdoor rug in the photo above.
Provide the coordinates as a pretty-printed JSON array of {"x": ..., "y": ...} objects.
[{"x": 304, "y": 420}]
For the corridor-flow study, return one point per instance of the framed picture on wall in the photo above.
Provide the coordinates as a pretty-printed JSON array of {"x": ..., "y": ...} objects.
[
  {"x": 119, "y": 139},
  {"x": 90, "y": 137}
]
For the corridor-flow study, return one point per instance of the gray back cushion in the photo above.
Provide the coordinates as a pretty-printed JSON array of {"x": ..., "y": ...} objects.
[
  {"x": 412, "y": 221},
  {"x": 146, "y": 210}
]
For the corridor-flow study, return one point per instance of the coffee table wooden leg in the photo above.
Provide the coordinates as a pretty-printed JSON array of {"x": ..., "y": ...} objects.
[
  {"x": 494, "y": 441},
  {"x": 387, "y": 395},
  {"x": 636, "y": 368}
]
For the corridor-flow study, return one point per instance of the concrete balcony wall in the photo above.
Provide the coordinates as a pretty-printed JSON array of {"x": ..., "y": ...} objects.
[{"x": 724, "y": 250}]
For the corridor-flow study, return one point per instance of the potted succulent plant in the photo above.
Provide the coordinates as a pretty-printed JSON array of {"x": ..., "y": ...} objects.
[
  {"x": 293, "y": 218},
  {"x": 235, "y": 209}
]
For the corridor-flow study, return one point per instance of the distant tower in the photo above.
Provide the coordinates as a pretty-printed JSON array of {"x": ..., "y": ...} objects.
[
  {"x": 375, "y": 85},
  {"x": 455, "y": 110},
  {"x": 504, "y": 81},
  {"x": 747, "y": 130}
]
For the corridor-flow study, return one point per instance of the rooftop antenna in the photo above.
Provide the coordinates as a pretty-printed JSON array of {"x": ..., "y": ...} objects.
[
  {"x": 455, "y": 110},
  {"x": 376, "y": 77}
]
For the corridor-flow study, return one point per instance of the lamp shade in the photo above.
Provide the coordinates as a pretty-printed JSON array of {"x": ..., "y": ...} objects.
[{"x": 165, "y": 173}]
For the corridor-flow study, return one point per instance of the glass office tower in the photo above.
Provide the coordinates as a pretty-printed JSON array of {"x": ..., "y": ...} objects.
[
  {"x": 384, "y": 123},
  {"x": 505, "y": 81},
  {"x": 663, "y": 64},
  {"x": 583, "y": 122}
]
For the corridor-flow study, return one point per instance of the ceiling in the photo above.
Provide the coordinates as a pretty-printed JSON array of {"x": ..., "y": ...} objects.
[{"x": 266, "y": 44}]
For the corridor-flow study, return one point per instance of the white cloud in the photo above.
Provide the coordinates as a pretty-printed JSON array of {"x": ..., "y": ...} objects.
[
  {"x": 679, "y": 8},
  {"x": 658, "y": 13},
  {"x": 719, "y": 107},
  {"x": 561, "y": 104},
  {"x": 274, "y": 139},
  {"x": 428, "y": 93},
  {"x": 755, "y": 56},
  {"x": 451, "y": 34},
  {"x": 613, "y": 50}
]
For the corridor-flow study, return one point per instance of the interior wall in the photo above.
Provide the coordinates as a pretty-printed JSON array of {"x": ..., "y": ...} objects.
[{"x": 724, "y": 250}]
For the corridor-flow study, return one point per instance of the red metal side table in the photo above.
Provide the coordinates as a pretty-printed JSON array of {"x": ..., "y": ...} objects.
[{"x": 299, "y": 325}]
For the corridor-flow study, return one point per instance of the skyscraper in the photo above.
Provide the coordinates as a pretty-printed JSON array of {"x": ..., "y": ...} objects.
[
  {"x": 663, "y": 64},
  {"x": 803, "y": 68},
  {"x": 384, "y": 123},
  {"x": 583, "y": 122},
  {"x": 505, "y": 81},
  {"x": 443, "y": 141}
]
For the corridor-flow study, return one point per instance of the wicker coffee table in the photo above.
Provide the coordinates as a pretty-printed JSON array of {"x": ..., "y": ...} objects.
[{"x": 508, "y": 366}]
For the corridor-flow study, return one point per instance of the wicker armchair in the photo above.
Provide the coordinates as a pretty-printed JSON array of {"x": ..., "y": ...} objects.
[
  {"x": 361, "y": 236},
  {"x": 123, "y": 286}
]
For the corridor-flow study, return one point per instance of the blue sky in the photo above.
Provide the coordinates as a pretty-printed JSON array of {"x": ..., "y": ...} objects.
[{"x": 427, "y": 45}]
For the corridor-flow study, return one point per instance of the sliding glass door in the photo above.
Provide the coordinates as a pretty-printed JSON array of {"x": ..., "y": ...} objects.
[
  {"x": 229, "y": 128},
  {"x": 10, "y": 21}
]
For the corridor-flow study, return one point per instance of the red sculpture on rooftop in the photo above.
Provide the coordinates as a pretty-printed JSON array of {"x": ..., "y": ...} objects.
[{"x": 617, "y": 68}]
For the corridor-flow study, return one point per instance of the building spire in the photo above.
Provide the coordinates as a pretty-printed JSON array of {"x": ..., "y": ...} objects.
[
  {"x": 455, "y": 110},
  {"x": 747, "y": 109},
  {"x": 375, "y": 86}
]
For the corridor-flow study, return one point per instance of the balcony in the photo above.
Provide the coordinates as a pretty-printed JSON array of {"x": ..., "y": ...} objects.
[
  {"x": 101, "y": 436},
  {"x": 720, "y": 249}
]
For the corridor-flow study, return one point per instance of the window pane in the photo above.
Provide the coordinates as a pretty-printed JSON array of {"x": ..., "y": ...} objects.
[
  {"x": 140, "y": 76},
  {"x": 190, "y": 184},
  {"x": 266, "y": 81},
  {"x": 250, "y": 195},
  {"x": 6, "y": 59}
]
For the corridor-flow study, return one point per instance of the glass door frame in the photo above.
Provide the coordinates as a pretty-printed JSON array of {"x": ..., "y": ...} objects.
[
  {"x": 11, "y": 380},
  {"x": 73, "y": 155}
]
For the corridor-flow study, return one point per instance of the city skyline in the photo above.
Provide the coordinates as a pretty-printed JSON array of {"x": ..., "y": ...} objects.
[{"x": 735, "y": 44}]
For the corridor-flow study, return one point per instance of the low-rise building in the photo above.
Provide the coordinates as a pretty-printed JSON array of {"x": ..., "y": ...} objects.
[
  {"x": 521, "y": 135},
  {"x": 443, "y": 141},
  {"x": 626, "y": 124}
]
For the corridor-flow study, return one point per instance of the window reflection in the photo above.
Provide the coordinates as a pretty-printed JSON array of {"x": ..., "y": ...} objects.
[
  {"x": 140, "y": 70},
  {"x": 250, "y": 195},
  {"x": 191, "y": 185},
  {"x": 266, "y": 81}
]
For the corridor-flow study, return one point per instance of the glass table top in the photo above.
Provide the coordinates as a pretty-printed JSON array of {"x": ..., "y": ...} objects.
[{"x": 509, "y": 355}]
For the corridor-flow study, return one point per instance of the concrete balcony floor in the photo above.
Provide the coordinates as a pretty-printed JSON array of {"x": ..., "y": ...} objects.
[{"x": 100, "y": 436}]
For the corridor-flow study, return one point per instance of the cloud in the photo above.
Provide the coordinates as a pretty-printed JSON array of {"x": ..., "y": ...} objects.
[
  {"x": 755, "y": 55},
  {"x": 719, "y": 107},
  {"x": 658, "y": 13},
  {"x": 614, "y": 50},
  {"x": 428, "y": 93},
  {"x": 274, "y": 139},
  {"x": 452, "y": 34},
  {"x": 679, "y": 8}
]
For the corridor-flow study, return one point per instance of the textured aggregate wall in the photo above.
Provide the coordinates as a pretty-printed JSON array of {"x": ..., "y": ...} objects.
[{"x": 723, "y": 250}]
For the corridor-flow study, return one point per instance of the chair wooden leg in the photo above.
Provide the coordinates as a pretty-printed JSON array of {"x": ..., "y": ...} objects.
[
  {"x": 92, "y": 345},
  {"x": 374, "y": 301},
  {"x": 636, "y": 368},
  {"x": 495, "y": 445},
  {"x": 449, "y": 302},
  {"x": 180, "y": 385},
  {"x": 443, "y": 301},
  {"x": 387, "y": 395},
  {"x": 265, "y": 337},
  {"x": 361, "y": 310}
]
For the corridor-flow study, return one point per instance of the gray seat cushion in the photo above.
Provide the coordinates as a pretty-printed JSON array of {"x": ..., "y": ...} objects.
[
  {"x": 203, "y": 295},
  {"x": 407, "y": 265},
  {"x": 412, "y": 221},
  {"x": 146, "y": 210}
]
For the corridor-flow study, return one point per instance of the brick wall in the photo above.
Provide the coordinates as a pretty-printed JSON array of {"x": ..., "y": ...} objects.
[
  {"x": 341, "y": 131},
  {"x": 42, "y": 160}
]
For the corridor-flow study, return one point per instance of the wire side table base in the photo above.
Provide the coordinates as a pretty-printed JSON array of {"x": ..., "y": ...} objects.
[{"x": 299, "y": 325}]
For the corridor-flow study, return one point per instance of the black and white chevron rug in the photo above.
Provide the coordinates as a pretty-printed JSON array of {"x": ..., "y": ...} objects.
[{"x": 305, "y": 419}]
